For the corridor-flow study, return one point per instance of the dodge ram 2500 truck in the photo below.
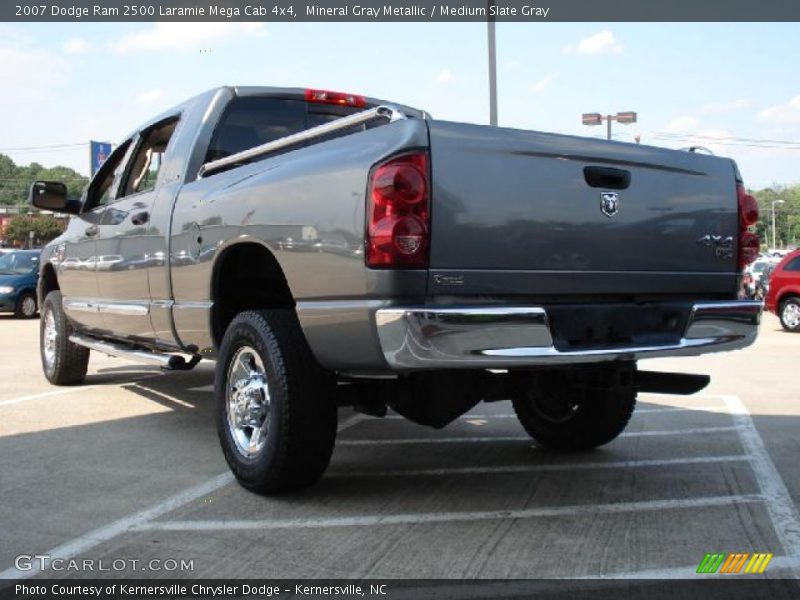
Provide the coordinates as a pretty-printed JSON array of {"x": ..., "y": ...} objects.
[{"x": 328, "y": 249}]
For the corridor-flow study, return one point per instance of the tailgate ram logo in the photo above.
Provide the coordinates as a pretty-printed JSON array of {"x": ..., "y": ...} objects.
[{"x": 609, "y": 203}]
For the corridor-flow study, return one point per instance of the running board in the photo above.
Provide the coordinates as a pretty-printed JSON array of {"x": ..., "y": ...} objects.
[{"x": 173, "y": 362}]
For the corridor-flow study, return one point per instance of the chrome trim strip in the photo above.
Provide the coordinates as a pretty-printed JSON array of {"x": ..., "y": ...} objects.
[
  {"x": 80, "y": 305},
  {"x": 387, "y": 112},
  {"x": 112, "y": 308},
  {"x": 491, "y": 337},
  {"x": 119, "y": 308},
  {"x": 192, "y": 305}
]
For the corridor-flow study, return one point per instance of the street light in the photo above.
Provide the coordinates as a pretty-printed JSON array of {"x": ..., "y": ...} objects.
[
  {"x": 774, "y": 202},
  {"x": 626, "y": 118},
  {"x": 490, "y": 32}
]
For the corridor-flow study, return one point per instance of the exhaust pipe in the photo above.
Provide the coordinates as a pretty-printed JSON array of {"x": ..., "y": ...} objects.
[{"x": 682, "y": 384}]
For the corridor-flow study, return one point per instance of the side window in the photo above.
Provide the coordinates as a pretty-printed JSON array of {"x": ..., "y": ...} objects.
[
  {"x": 146, "y": 163},
  {"x": 103, "y": 185},
  {"x": 793, "y": 265}
]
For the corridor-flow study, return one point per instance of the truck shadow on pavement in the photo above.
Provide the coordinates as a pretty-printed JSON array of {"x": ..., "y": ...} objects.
[{"x": 158, "y": 437}]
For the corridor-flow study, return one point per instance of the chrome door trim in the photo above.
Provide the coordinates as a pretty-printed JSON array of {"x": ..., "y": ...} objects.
[{"x": 111, "y": 308}]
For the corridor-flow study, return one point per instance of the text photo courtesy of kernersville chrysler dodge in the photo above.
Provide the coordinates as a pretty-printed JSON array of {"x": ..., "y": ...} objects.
[{"x": 329, "y": 249}]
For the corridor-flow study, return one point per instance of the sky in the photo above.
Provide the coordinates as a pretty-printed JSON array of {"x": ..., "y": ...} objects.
[{"x": 733, "y": 88}]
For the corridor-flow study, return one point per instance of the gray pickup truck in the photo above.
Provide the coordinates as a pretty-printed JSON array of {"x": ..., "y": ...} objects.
[{"x": 329, "y": 250}]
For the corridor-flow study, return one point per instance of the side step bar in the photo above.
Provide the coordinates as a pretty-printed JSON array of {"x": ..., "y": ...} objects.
[{"x": 173, "y": 362}]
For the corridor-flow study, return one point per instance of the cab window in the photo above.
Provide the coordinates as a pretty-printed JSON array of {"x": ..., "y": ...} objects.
[
  {"x": 147, "y": 161},
  {"x": 105, "y": 182}
]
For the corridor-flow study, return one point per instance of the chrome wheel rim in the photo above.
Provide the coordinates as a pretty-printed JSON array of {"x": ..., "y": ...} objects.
[
  {"x": 791, "y": 315},
  {"x": 49, "y": 338},
  {"x": 248, "y": 402},
  {"x": 28, "y": 306}
]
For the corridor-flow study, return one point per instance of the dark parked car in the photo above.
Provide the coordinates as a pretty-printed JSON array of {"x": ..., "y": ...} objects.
[
  {"x": 783, "y": 297},
  {"x": 19, "y": 272}
]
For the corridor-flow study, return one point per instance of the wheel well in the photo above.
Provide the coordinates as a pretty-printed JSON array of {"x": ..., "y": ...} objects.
[
  {"x": 246, "y": 276},
  {"x": 786, "y": 296},
  {"x": 47, "y": 282}
]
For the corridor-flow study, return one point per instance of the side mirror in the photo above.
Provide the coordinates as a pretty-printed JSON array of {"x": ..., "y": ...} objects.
[{"x": 52, "y": 195}]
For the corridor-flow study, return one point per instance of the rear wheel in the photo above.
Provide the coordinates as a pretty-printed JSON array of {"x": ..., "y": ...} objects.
[
  {"x": 63, "y": 362},
  {"x": 790, "y": 314},
  {"x": 26, "y": 306},
  {"x": 276, "y": 417},
  {"x": 560, "y": 415}
]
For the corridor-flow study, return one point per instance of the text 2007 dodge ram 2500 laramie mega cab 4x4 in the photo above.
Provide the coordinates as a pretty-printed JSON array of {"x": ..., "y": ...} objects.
[{"x": 328, "y": 249}]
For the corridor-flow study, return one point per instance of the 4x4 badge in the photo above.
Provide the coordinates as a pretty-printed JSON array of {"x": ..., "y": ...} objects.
[{"x": 609, "y": 203}]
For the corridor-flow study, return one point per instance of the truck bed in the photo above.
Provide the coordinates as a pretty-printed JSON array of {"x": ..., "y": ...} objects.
[{"x": 519, "y": 213}]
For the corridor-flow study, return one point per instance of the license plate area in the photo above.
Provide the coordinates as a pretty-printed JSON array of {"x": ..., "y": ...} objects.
[{"x": 578, "y": 327}]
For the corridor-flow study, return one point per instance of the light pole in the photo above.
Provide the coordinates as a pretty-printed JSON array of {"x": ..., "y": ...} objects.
[
  {"x": 492, "y": 66},
  {"x": 626, "y": 118},
  {"x": 774, "y": 202}
]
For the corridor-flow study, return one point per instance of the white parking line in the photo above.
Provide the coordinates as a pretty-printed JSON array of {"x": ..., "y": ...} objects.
[
  {"x": 463, "y": 417},
  {"x": 638, "y": 411},
  {"x": 446, "y": 517},
  {"x": 94, "y": 538},
  {"x": 676, "y": 409},
  {"x": 73, "y": 389},
  {"x": 780, "y": 506},
  {"x": 58, "y": 392},
  {"x": 576, "y": 466},
  {"x": 209, "y": 389},
  {"x": 524, "y": 438}
]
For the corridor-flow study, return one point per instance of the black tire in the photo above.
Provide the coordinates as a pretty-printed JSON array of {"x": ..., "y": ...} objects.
[
  {"x": 560, "y": 417},
  {"x": 300, "y": 433},
  {"x": 26, "y": 306},
  {"x": 787, "y": 322},
  {"x": 68, "y": 362}
]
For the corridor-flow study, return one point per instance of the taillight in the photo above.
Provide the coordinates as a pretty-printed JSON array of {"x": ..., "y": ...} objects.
[
  {"x": 398, "y": 214},
  {"x": 749, "y": 244},
  {"x": 338, "y": 98}
]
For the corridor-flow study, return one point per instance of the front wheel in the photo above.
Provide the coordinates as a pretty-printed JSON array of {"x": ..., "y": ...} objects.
[
  {"x": 790, "y": 314},
  {"x": 276, "y": 417},
  {"x": 63, "y": 362},
  {"x": 561, "y": 416}
]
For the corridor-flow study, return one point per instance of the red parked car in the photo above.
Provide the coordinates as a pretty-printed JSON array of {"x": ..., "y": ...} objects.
[{"x": 783, "y": 298}]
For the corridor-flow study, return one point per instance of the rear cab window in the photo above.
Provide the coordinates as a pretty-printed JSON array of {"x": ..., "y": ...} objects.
[{"x": 250, "y": 121}]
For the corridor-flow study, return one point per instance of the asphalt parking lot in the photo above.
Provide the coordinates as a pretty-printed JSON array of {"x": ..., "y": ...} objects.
[{"x": 129, "y": 467}]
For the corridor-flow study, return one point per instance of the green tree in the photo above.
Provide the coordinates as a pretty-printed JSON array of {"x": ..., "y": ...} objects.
[
  {"x": 786, "y": 201},
  {"x": 44, "y": 228},
  {"x": 15, "y": 181}
]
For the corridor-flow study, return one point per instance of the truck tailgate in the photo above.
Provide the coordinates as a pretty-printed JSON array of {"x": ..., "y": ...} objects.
[{"x": 529, "y": 213}]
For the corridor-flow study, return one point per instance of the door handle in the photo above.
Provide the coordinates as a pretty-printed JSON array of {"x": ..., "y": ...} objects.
[
  {"x": 140, "y": 218},
  {"x": 607, "y": 177},
  {"x": 91, "y": 231}
]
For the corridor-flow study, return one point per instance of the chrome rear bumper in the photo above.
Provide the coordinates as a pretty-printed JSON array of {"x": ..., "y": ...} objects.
[{"x": 517, "y": 336}]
